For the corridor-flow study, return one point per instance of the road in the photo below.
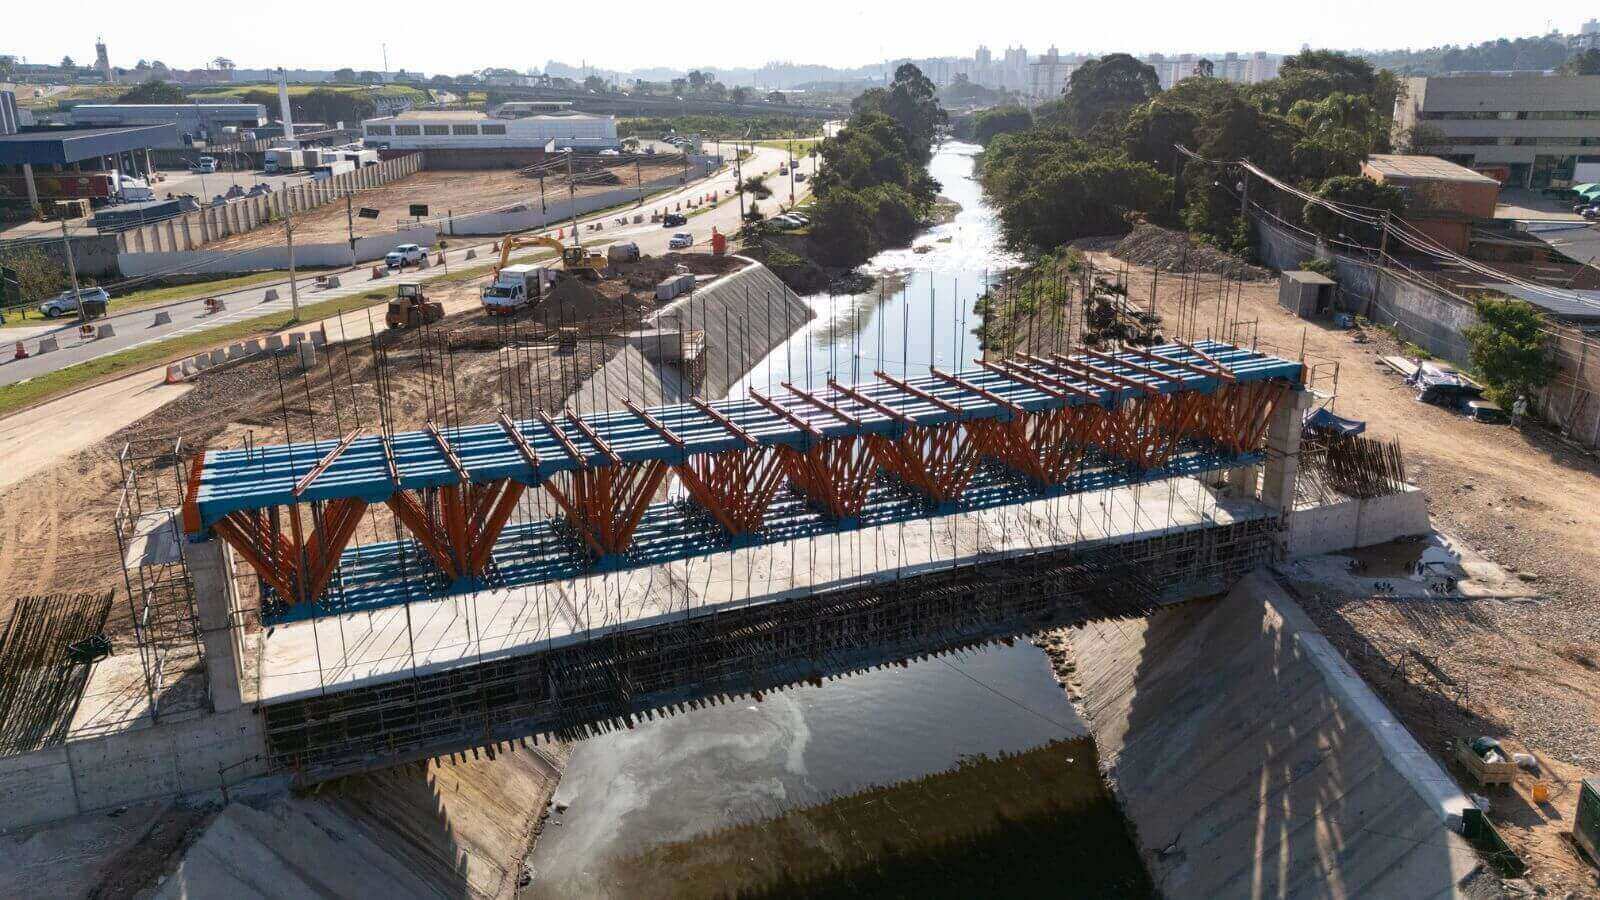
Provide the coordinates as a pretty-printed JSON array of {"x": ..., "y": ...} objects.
[{"x": 138, "y": 329}]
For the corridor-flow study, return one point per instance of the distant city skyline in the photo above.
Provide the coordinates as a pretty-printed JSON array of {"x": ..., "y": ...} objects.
[{"x": 822, "y": 33}]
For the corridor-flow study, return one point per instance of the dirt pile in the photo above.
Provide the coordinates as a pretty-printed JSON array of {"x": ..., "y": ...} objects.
[
  {"x": 1174, "y": 251},
  {"x": 573, "y": 301}
]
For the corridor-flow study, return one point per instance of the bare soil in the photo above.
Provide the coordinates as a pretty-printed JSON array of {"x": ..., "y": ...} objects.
[
  {"x": 56, "y": 529},
  {"x": 1522, "y": 498},
  {"x": 445, "y": 192}
]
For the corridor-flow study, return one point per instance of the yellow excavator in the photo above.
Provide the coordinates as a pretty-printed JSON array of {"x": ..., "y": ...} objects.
[{"x": 574, "y": 259}]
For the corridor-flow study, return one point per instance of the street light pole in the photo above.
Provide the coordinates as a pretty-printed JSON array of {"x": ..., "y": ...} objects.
[
  {"x": 350, "y": 226},
  {"x": 288, "y": 233}
]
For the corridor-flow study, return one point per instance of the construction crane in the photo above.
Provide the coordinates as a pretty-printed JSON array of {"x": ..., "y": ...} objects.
[{"x": 574, "y": 259}]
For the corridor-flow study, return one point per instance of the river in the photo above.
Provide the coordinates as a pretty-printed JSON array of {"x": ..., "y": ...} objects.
[{"x": 678, "y": 777}]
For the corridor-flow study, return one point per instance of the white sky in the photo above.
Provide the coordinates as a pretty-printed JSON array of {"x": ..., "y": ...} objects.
[{"x": 626, "y": 34}]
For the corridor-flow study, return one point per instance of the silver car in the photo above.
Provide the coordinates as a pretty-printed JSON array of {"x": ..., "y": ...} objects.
[{"x": 64, "y": 302}]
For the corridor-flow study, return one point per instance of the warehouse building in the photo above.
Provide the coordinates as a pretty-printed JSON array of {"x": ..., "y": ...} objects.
[
  {"x": 1526, "y": 130},
  {"x": 445, "y": 130},
  {"x": 197, "y": 121},
  {"x": 1443, "y": 200}
]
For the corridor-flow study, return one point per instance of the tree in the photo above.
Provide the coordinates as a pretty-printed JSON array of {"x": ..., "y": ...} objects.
[
  {"x": 991, "y": 123},
  {"x": 33, "y": 274},
  {"x": 1419, "y": 138},
  {"x": 1367, "y": 197},
  {"x": 680, "y": 86},
  {"x": 595, "y": 84},
  {"x": 1115, "y": 84},
  {"x": 66, "y": 62},
  {"x": 739, "y": 95},
  {"x": 1508, "y": 348},
  {"x": 777, "y": 97},
  {"x": 1053, "y": 188},
  {"x": 154, "y": 90},
  {"x": 330, "y": 106},
  {"x": 223, "y": 63},
  {"x": 698, "y": 80},
  {"x": 141, "y": 65},
  {"x": 1585, "y": 63},
  {"x": 344, "y": 76},
  {"x": 841, "y": 230},
  {"x": 1205, "y": 68},
  {"x": 755, "y": 186},
  {"x": 911, "y": 102}
]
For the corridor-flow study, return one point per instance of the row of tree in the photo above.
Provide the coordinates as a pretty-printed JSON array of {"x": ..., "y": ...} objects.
[
  {"x": 1106, "y": 151},
  {"x": 873, "y": 189}
]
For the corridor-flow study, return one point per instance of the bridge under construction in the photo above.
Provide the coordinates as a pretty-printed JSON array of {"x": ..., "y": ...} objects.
[{"x": 555, "y": 573}]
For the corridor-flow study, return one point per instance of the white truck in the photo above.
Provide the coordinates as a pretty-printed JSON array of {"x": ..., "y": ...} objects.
[
  {"x": 329, "y": 169},
  {"x": 515, "y": 287}
]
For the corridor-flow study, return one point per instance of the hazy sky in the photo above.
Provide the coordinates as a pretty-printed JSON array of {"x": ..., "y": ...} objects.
[{"x": 623, "y": 34}]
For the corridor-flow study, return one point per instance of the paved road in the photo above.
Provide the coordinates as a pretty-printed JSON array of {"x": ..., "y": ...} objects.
[{"x": 137, "y": 329}]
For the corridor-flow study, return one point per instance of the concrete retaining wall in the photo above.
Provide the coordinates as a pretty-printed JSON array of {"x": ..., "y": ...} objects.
[
  {"x": 273, "y": 258},
  {"x": 1314, "y": 530},
  {"x": 1254, "y": 762},
  {"x": 126, "y": 767},
  {"x": 744, "y": 315},
  {"x": 193, "y": 230}
]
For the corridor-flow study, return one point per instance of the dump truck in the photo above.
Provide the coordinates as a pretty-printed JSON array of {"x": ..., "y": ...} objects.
[
  {"x": 515, "y": 287},
  {"x": 411, "y": 307}
]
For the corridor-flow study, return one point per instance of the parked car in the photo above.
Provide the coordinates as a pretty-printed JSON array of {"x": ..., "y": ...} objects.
[
  {"x": 799, "y": 176},
  {"x": 672, "y": 220},
  {"x": 64, "y": 302},
  {"x": 800, "y": 217},
  {"x": 1591, "y": 213},
  {"x": 405, "y": 255},
  {"x": 205, "y": 165},
  {"x": 681, "y": 240}
]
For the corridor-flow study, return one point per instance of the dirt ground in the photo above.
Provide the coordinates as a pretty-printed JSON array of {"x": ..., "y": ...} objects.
[
  {"x": 1521, "y": 498},
  {"x": 460, "y": 192},
  {"x": 56, "y": 529}
]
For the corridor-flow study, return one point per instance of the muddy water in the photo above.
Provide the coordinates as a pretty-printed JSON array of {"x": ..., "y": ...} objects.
[{"x": 675, "y": 778}]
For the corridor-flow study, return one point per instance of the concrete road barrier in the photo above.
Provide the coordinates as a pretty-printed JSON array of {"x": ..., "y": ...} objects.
[
  {"x": 48, "y": 344},
  {"x": 218, "y": 304},
  {"x": 237, "y": 351},
  {"x": 296, "y": 338},
  {"x": 202, "y": 362},
  {"x": 308, "y": 355},
  {"x": 332, "y": 281},
  {"x": 274, "y": 343},
  {"x": 472, "y": 254},
  {"x": 105, "y": 331},
  {"x": 270, "y": 295},
  {"x": 162, "y": 318},
  {"x": 218, "y": 357},
  {"x": 253, "y": 345},
  {"x": 319, "y": 338}
]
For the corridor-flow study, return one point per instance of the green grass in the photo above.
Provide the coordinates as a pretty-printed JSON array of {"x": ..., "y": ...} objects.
[
  {"x": 137, "y": 300},
  {"x": 16, "y": 397},
  {"x": 800, "y": 145}
]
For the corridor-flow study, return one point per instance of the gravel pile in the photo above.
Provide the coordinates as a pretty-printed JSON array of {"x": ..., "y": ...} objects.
[{"x": 1174, "y": 251}]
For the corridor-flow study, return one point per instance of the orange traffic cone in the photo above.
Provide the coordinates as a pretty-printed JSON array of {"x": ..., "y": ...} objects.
[{"x": 22, "y": 351}]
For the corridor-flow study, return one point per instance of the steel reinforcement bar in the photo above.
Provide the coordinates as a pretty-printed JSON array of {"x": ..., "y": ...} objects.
[{"x": 607, "y": 681}]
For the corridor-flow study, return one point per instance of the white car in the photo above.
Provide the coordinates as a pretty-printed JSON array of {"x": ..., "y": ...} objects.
[
  {"x": 681, "y": 240},
  {"x": 405, "y": 255}
]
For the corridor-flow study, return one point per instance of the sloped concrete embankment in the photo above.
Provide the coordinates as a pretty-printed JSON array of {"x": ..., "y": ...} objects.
[
  {"x": 459, "y": 830},
  {"x": 1253, "y": 761},
  {"x": 744, "y": 315}
]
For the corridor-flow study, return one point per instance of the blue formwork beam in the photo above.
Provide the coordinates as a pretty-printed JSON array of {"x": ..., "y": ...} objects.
[
  {"x": 261, "y": 477},
  {"x": 541, "y": 552}
]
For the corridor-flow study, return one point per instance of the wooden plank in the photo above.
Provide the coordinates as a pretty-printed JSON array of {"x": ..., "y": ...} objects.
[
  {"x": 513, "y": 434},
  {"x": 788, "y": 416},
  {"x": 919, "y": 393},
  {"x": 449, "y": 453},
  {"x": 588, "y": 431},
  {"x": 326, "y": 461},
  {"x": 985, "y": 393},
  {"x": 727, "y": 423},
  {"x": 656, "y": 425},
  {"x": 864, "y": 400},
  {"x": 824, "y": 405},
  {"x": 562, "y": 439}
]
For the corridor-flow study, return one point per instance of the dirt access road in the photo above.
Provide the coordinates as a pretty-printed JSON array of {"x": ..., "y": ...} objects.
[{"x": 1520, "y": 498}]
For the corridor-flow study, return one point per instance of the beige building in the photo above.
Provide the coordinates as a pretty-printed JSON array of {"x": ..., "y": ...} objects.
[{"x": 1528, "y": 129}]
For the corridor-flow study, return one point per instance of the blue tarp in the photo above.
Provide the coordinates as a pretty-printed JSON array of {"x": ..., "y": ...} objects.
[{"x": 1326, "y": 422}]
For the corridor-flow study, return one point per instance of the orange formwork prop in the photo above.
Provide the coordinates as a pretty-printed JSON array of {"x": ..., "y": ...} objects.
[
  {"x": 458, "y": 524},
  {"x": 834, "y": 475},
  {"x": 1237, "y": 417},
  {"x": 1045, "y": 447},
  {"x": 296, "y": 561},
  {"x": 603, "y": 504},
  {"x": 936, "y": 460},
  {"x": 736, "y": 487}
]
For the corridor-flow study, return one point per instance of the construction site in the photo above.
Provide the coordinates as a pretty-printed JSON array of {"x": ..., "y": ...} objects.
[{"x": 386, "y": 584}]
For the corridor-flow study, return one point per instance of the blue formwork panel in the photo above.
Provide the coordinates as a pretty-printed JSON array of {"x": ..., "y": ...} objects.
[
  {"x": 260, "y": 477},
  {"x": 541, "y": 552}
]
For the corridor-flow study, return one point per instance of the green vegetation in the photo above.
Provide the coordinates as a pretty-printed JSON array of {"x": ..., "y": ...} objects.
[
  {"x": 1353, "y": 190},
  {"x": 989, "y": 124},
  {"x": 755, "y": 186},
  {"x": 1536, "y": 53},
  {"x": 799, "y": 146},
  {"x": 1509, "y": 348},
  {"x": 154, "y": 296},
  {"x": 154, "y": 90},
  {"x": 766, "y": 125},
  {"x": 1103, "y": 155},
  {"x": 872, "y": 188},
  {"x": 1035, "y": 824},
  {"x": 29, "y": 276}
]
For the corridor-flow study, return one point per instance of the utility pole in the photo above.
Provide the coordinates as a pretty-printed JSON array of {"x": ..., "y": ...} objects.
[
  {"x": 638, "y": 179},
  {"x": 572, "y": 201},
  {"x": 350, "y": 226},
  {"x": 72, "y": 271},
  {"x": 288, "y": 234},
  {"x": 791, "y": 174},
  {"x": 738, "y": 181}
]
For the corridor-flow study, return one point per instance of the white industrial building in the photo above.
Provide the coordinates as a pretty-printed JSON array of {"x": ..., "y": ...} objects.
[
  {"x": 198, "y": 120},
  {"x": 447, "y": 130}
]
